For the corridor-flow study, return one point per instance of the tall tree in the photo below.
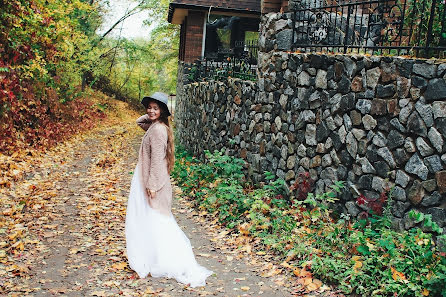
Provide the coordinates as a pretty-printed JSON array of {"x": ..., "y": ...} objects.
[{"x": 130, "y": 68}]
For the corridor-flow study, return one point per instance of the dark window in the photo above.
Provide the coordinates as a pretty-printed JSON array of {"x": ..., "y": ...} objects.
[{"x": 229, "y": 36}]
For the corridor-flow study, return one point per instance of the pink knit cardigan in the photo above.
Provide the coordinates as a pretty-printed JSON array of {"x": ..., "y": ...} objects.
[{"x": 152, "y": 154}]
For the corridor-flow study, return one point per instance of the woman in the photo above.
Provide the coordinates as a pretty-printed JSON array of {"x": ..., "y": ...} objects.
[{"x": 155, "y": 243}]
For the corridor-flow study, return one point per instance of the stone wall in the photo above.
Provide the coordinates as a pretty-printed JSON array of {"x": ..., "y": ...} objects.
[
  {"x": 371, "y": 121},
  {"x": 374, "y": 122},
  {"x": 215, "y": 115}
]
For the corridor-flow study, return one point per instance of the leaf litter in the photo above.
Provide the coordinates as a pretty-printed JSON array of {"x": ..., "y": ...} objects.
[{"x": 62, "y": 227}]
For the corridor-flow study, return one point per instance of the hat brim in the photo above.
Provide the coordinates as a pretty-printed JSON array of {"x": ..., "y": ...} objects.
[{"x": 145, "y": 101}]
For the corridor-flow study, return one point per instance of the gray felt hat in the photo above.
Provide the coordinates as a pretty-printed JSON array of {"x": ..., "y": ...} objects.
[{"x": 157, "y": 96}]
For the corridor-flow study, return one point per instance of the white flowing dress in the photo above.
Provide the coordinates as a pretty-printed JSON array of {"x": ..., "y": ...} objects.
[{"x": 155, "y": 243}]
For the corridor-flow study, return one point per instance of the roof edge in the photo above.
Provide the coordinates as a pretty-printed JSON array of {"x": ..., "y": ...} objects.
[{"x": 173, "y": 6}]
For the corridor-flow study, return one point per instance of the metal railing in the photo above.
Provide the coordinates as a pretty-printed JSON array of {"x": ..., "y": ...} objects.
[
  {"x": 239, "y": 62},
  {"x": 249, "y": 49},
  {"x": 205, "y": 70},
  {"x": 395, "y": 27}
]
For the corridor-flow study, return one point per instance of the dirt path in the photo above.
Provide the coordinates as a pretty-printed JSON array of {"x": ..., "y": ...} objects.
[{"x": 75, "y": 243}]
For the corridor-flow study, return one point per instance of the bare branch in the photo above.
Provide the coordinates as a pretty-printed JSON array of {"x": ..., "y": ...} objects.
[{"x": 137, "y": 9}]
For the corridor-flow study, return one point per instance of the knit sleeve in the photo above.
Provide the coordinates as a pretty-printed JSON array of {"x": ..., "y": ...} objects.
[
  {"x": 158, "y": 164},
  {"x": 143, "y": 122}
]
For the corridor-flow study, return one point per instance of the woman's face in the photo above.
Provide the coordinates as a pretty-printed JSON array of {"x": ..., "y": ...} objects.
[{"x": 153, "y": 111}]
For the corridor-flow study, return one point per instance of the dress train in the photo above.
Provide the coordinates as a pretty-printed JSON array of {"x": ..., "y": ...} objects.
[{"x": 155, "y": 243}]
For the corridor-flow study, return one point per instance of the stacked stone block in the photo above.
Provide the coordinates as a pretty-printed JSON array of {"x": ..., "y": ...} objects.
[
  {"x": 364, "y": 120},
  {"x": 373, "y": 122}
]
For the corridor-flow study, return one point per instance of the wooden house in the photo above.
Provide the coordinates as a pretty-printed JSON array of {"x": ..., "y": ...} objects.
[{"x": 218, "y": 28}]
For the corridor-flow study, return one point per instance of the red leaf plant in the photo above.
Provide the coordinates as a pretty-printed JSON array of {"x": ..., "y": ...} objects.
[
  {"x": 303, "y": 185},
  {"x": 375, "y": 205}
]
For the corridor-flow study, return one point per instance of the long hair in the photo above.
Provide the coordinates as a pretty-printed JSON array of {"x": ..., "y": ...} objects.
[{"x": 170, "y": 152}]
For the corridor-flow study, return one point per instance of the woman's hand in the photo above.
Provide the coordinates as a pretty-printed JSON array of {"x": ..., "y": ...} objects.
[{"x": 151, "y": 193}]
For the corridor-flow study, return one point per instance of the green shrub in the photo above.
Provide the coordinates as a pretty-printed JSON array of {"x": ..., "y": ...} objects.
[{"x": 365, "y": 257}]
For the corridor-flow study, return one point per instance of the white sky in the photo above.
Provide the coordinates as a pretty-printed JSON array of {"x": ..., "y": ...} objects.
[{"x": 132, "y": 27}]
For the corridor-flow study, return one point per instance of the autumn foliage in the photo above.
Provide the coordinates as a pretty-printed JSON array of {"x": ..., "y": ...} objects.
[
  {"x": 303, "y": 185},
  {"x": 40, "y": 98}
]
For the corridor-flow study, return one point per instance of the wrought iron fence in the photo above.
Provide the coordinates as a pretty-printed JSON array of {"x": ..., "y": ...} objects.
[
  {"x": 398, "y": 27},
  {"x": 249, "y": 49},
  {"x": 240, "y": 62},
  {"x": 205, "y": 70}
]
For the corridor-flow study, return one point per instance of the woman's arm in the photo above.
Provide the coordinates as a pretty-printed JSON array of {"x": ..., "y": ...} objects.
[
  {"x": 158, "y": 175},
  {"x": 143, "y": 122}
]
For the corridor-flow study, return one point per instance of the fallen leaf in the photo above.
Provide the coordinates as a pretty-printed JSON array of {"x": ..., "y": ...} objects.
[
  {"x": 98, "y": 293},
  {"x": 314, "y": 285},
  {"x": 119, "y": 266},
  {"x": 396, "y": 275}
]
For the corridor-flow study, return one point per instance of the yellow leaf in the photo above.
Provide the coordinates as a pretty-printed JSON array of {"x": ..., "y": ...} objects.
[
  {"x": 317, "y": 282},
  {"x": 119, "y": 266},
  {"x": 100, "y": 251},
  {"x": 370, "y": 246},
  {"x": 396, "y": 275},
  {"x": 425, "y": 292},
  {"x": 302, "y": 273},
  {"x": 358, "y": 264},
  {"x": 305, "y": 281},
  {"x": 244, "y": 228},
  {"x": 285, "y": 264},
  {"x": 16, "y": 234},
  {"x": 20, "y": 246},
  {"x": 314, "y": 285}
]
